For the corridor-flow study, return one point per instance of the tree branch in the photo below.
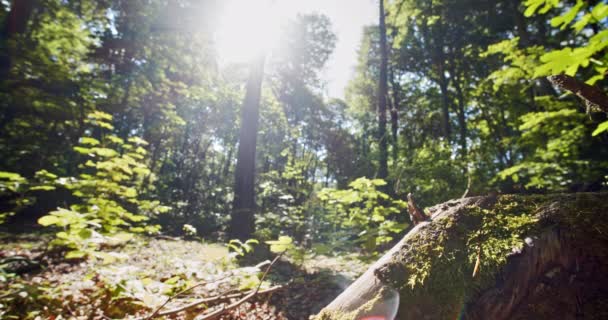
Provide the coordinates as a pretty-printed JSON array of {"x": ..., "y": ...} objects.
[
  {"x": 219, "y": 312},
  {"x": 592, "y": 95},
  {"x": 220, "y": 298},
  {"x": 216, "y": 299}
]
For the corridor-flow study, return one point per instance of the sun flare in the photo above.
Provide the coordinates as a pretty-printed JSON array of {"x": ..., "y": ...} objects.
[{"x": 247, "y": 28}]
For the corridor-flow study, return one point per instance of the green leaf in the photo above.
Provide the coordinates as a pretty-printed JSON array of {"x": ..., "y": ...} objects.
[
  {"x": 130, "y": 193},
  {"x": 75, "y": 254},
  {"x": 89, "y": 141},
  {"x": 10, "y": 176},
  {"x": 85, "y": 233},
  {"x": 105, "y": 152},
  {"x": 600, "y": 11},
  {"x": 82, "y": 150},
  {"x": 45, "y": 175},
  {"x": 48, "y": 220},
  {"x": 43, "y": 188},
  {"x": 601, "y": 128},
  {"x": 567, "y": 17},
  {"x": 172, "y": 280},
  {"x": 115, "y": 139},
  {"x": 138, "y": 141},
  {"x": 98, "y": 115},
  {"x": 283, "y": 244}
]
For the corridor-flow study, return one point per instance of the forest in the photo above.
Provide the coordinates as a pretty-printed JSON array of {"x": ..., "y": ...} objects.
[{"x": 462, "y": 174}]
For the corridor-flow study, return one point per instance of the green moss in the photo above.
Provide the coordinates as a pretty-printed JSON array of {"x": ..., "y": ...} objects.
[
  {"x": 437, "y": 263},
  {"x": 502, "y": 230}
]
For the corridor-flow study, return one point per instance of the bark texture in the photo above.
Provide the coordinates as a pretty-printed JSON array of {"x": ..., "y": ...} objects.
[
  {"x": 593, "y": 96},
  {"x": 382, "y": 96},
  {"x": 558, "y": 272},
  {"x": 242, "y": 218}
]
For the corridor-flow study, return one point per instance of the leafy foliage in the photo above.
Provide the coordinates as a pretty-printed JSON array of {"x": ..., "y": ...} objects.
[
  {"x": 568, "y": 60},
  {"x": 563, "y": 135},
  {"x": 363, "y": 210},
  {"x": 242, "y": 248},
  {"x": 110, "y": 109},
  {"x": 110, "y": 208}
]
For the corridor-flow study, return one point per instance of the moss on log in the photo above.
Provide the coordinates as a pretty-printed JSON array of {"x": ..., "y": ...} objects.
[{"x": 538, "y": 257}]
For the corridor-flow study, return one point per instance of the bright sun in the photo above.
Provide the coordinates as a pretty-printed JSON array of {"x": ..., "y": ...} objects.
[{"x": 248, "y": 27}]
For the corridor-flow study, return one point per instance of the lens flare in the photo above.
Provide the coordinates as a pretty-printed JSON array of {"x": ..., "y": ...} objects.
[{"x": 385, "y": 308}]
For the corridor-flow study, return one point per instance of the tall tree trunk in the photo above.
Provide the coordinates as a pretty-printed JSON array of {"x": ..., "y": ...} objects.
[
  {"x": 15, "y": 24},
  {"x": 445, "y": 100},
  {"x": 462, "y": 121},
  {"x": 438, "y": 60},
  {"x": 242, "y": 222},
  {"x": 382, "y": 95},
  {"x": 395, "y": 114},
  {"x": 227, "y": 163},
  {"x": 521, "y": 24}
]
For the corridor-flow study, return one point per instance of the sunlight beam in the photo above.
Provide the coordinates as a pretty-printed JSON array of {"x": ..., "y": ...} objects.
[{"x": 248, "y": 28}]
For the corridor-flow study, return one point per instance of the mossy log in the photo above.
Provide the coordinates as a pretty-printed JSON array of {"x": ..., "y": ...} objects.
[{"x": 537, "y": 257}]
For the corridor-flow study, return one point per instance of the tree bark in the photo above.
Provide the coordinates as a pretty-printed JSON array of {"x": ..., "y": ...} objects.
[
  {"x": 557, "y": 273},
  {"x": 395, "y": 114},
  {"x": 440, "y": 62},
  {"x": 15, "y": 24},
  {"x": 242, "y": 221},
  {"x": 382, "y": 95},
  {"x": 593, "y": 96},
  {"x": 462, "y": 121},
  {"x": 445, "y": 101}
]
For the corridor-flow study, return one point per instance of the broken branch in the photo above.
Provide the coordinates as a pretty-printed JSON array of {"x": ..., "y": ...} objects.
[
  {"x": 220, "y": 298},
  {"x": 206, "y": 300},
  {"x": 592, "y": 95}
]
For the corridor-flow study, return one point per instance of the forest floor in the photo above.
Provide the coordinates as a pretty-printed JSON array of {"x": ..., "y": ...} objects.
[{"x": 135, "y": 279}]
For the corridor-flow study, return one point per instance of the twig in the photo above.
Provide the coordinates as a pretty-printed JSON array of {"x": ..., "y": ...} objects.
[
  {"x": 477, "y": 262},
  {"x": 157, "y": 310},
  {"x": 222, "y": 297},
  {"x": 216, "y": 299},
  {"x": 217, "y": 313},
  {"x": 8, "y": 294},
  {"x": 466, "y": 192},
  {"x": 165, "y": 237}
]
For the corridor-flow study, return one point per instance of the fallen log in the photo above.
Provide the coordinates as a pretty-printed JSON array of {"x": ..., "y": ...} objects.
[{"x": 539, "y": 257}]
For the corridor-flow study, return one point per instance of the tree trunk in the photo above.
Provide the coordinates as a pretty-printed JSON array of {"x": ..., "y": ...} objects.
[
  {"x": 464, "y": 262},
  {"x": 15, "y": 24},
  {"x": 445, "y": 101},
  {"x": 439, "y": 60},
  {"x": 462, "y": 121},
  {"x": 382, "y": 95},
  {"x": 227, "y": 163},
  {"x": 395, "y": 115},
  {"x": 242, "y": 222}
]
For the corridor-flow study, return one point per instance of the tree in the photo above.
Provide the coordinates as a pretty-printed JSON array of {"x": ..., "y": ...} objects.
[
  {"x": 242, "y": 223},
  {"x": 382, "y": 95}
]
